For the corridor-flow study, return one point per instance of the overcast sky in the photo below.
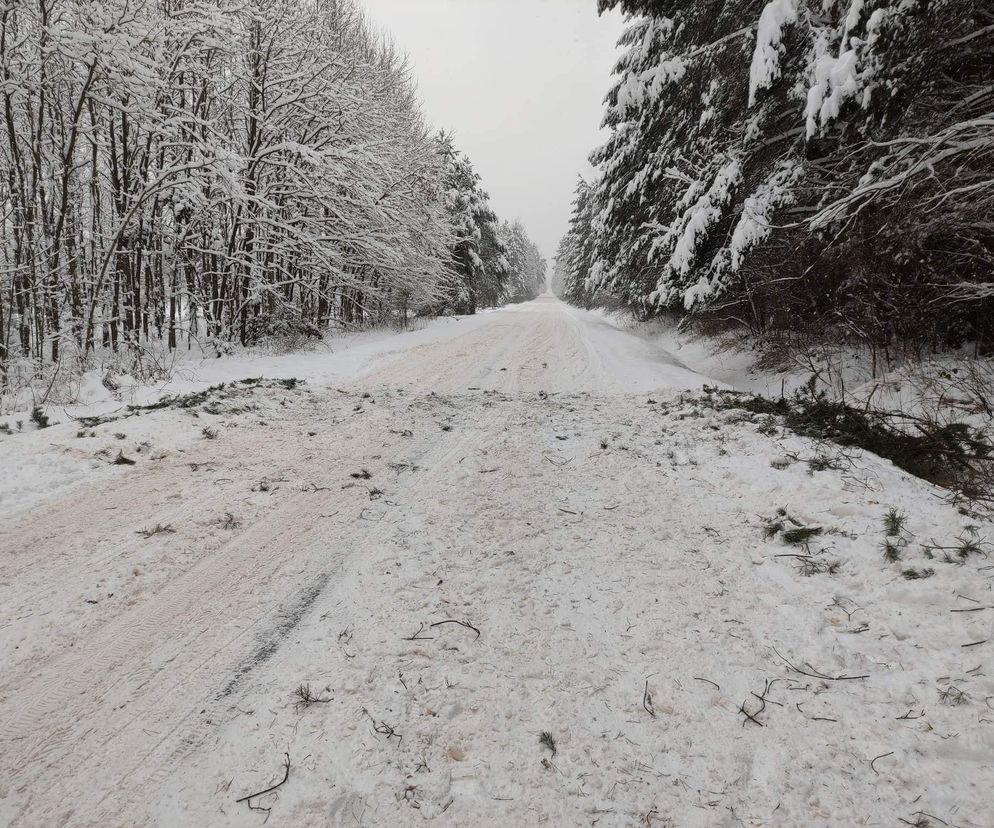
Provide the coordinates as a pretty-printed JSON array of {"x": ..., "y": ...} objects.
[{"x": 521, "y": 84}]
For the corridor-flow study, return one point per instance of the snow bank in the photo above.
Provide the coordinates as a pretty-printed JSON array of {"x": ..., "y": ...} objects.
[{"x": 40, "y": 464}]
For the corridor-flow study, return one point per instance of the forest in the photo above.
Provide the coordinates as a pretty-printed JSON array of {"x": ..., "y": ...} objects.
[
  {"x": 322, "y": 505},
  {"x": 802, "y": 170},
  {"x": 209, "y": 173}
]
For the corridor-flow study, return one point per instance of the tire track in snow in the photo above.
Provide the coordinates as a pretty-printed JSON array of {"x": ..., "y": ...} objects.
[
  {"x": 157, "y": 669},
  {"x": 137, "y": 660},
  {"x": 92, "y": 734}
]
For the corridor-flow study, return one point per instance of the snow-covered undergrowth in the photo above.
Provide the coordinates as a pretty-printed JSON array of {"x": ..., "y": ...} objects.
[
  {"x": 105, "y": 378},
  {"x": 934, "y": 417},
  {"x": 952, "y": 387}
]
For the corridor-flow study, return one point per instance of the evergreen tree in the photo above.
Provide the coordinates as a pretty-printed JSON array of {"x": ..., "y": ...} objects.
[
  {"x": 528, "y": 268},
  {"x": 822, "y": 166},
  {"x": 574, "y": 258},
  {"x": 480, "y": 255}
]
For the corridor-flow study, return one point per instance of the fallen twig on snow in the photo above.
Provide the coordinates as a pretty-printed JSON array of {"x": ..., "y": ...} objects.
[
  {"x": 816, "y": 673},
  {"x": 271, "y": 788},
  {"x": 751, "y": 716},
  {"x": 305, "y": 697},
  {"x": 417, "y": 636},
  {"x": 383, "y": 728},
  {"x": 922, "y": 820},
  {"x": 647, "y": 701},
  {"x": 313, "y": 488},
  {"x": 881, "y": 756},
  {"x": 460, "y": 623},
  {"x": 813, "y": 718},
  {"x": 158, "y": 529}
]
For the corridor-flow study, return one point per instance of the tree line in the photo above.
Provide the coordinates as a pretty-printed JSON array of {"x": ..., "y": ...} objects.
[
  {"x": 225, "y": 171},
  {"x": 798, "y": 167}
]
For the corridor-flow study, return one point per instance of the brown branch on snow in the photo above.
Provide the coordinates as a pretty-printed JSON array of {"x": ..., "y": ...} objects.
[
  {"x": 383, "y": 728},
  {"x": 922, "y": 819},
  {"x": 816, "y": 673},
  {"x": 813, "y": 718},
  {"x": 766, "y": 690},
  {"x": 418, "y": 637},
  {"x": 751, "y": 716},
  {"x": 306, "y": 697},
  {"x": 647, "y": 701},
  {"x": 271, "y": 788},
  {"x": 313, "y": 488},
  {"x": 460, "y": 623},
  {"x": 881, "y": 756},
  {"x": 344, "y": 638}
]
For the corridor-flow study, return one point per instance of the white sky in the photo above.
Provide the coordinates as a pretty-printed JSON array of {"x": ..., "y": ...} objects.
[{"x": 521, "y": 84}]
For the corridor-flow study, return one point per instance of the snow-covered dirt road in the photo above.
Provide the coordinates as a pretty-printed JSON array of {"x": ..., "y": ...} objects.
[{"x": 517, "y": 576}]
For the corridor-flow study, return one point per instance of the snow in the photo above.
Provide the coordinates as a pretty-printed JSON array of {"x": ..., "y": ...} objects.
[
  {"x": 755, "y": 223},
  {"x": 648, "y": 72},
  {"x": 39, "y": 465},
  {"x": 625, "y": 361},
  {"x": 30, "y": 478},
  {"x": 835, "y": 79},
  {"x": 560, "y": 486},
  {"x": 765, "y": 68},
  {"x": 638, "y": 88},
  {"x": 852, "y": 19},
  {"x": 727, "y": 362},
  {"x": 692, "y": 229}
]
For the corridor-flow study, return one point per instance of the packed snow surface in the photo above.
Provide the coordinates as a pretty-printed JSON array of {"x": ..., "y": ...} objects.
[{"x": 516, "y": 574}]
